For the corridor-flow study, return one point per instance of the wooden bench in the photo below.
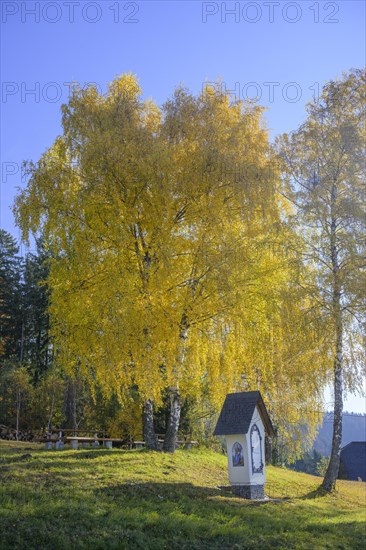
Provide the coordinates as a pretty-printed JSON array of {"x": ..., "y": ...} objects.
[
  {"x": 187, "y": 443},
  {"x": 61, "y": 439},
  {"x": 95, "y": 441},
  {"x": 107, "y": 441}
]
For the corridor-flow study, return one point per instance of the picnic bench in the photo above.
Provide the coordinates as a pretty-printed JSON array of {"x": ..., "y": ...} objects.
[
  {"x": 62, "y": 436},
  {"x": 185, "y": 442},
  {"x": 75, "y": 436},
  {"x": 95, "y": 441}
]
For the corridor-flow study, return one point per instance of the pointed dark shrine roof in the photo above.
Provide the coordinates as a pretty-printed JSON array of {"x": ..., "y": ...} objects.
[{"x": 237, "y": 413}]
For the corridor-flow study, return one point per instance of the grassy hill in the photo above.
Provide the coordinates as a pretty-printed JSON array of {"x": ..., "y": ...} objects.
[{"x": 107, "y": 499}]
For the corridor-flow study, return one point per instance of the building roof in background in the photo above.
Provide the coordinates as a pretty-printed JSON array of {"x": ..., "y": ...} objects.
[{"x": 353, "y": 459}]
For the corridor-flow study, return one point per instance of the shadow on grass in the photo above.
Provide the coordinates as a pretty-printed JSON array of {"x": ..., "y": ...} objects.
[
  {"x": 319, "y": 492},
  {"x": 169, "y": 516},
  {"x": 25, "y": 457},
  {"x": 171, "y": 492},
  {"x": 159, "y": 491}
]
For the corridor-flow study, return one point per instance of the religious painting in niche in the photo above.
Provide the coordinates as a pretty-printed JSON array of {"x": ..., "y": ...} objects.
[
  {"x": 237, "y": 454},
  {"x": 256, "y": 447}
]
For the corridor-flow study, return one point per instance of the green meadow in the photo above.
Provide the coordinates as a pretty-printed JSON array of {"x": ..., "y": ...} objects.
[{"x": 109, "y": 499}]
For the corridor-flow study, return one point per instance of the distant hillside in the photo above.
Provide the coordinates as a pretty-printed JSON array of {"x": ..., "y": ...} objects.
[{"x": 354, "y": 429}]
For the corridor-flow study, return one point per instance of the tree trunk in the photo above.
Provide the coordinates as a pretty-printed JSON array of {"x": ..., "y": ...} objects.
[
  {"x": 150, "y": 437},
  {"x": 173, "y": 424},
  {"x": 268, "y": 449},
  {"x": 51, "y": 413},
  {"x": 175, "y": 400},
  {"x": 69, "y": 405},
  {"x": 18, "y": 414},
  {"x": 21, "y": 353},
  {"x": 331, "y": 474}
]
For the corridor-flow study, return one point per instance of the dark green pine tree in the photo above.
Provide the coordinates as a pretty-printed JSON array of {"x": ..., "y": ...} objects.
[
  {"x": 11, "y": 325},
  {"x": 37, "y": 352}
]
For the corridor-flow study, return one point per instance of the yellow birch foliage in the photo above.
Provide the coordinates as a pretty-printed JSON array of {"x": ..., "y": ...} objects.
[{"x": 169, "y": 235}]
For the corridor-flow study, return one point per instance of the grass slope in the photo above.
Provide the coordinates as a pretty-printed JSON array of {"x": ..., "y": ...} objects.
[{"x": 107, "y": 499}]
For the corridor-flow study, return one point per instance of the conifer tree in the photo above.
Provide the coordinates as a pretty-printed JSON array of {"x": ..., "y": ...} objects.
[{"x": 10, "y": 298}]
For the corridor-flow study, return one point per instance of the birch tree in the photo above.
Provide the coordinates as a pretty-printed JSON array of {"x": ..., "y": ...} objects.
[
  {"x": 160, "y": 221},
  {"x": 140, "y": 206},
  {"x": 324, "y": 160}
]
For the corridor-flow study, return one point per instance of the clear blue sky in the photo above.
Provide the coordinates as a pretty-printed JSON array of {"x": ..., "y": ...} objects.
[{"x": 287, "y": 50}]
